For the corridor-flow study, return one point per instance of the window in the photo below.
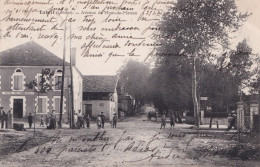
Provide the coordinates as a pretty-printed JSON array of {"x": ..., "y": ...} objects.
[
  {"x": 56, "y": 104},
  {"x": 42, "y": 105},
  {"x": 57, "y": 79},
  {"x": 58, "y": 83},
  {"x": 18, "y": 80}
]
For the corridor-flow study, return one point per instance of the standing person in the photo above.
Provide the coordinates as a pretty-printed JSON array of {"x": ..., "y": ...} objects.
[
  {"x": 80, "y": 119},
  {"x": 232, "y": 121},
  {"x": 87, "y": 119},
  {"x": 163, "y": 121},
  {"x": 102, "y": 119},
  {"x": 47, "y": 120},
  {"x": 2, "y": 117},
  {"x": 42, "y": 121},
  {"x": 76, "y": 120},
  {"x": 99, "y": 121},
  {"x": 52, "y": 120},
  {"x": 30, "y": 120},
  {"x": 114, "y": 120},
  {"x": 172, "y": 121}
]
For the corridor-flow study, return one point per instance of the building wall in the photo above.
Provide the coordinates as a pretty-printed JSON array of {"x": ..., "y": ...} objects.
[
  {"x": 107, "y": 106},
  {"x": 99, "y": 106},
  {"x": 77, "y": 82},
  {"x": 7, "y": 94}
]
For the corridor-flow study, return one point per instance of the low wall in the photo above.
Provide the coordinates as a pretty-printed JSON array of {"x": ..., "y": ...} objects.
[{"x": 221, "y": 121}]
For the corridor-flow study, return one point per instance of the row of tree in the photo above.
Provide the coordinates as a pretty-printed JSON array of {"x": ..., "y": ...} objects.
[{"x": 190, "y": 33}]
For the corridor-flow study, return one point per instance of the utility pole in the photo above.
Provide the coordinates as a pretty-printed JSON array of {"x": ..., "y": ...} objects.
[
  {"x": 72, "y": 87},
  {"x": 62, "y": 79}
]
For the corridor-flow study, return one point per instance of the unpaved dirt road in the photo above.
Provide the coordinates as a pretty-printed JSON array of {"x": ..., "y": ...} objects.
[{"x": 135, "y": 142}]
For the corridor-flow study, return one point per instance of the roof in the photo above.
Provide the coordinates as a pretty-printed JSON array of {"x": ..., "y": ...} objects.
[
  {"x": 29, "y": 54},
  {"x": 100, "y": 83},
  {"x": 125, "y": 97}
]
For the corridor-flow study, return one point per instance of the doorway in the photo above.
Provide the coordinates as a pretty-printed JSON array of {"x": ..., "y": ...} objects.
[
  {"x": 18, "y": 108},
  {"x": 88, "y": 109}
]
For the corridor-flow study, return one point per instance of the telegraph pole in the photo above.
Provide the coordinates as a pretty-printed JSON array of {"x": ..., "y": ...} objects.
[
  {"x": 62, "y": 79},
  {"x": 72, "y": 87}
]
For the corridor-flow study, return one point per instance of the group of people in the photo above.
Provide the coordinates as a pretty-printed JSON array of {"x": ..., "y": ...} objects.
[
  {"x": 163, "y": 121},
  {"x": 48, "y": 120},
  {"x": 82, "y": 121},
  {"x": 231, "y": 120}
]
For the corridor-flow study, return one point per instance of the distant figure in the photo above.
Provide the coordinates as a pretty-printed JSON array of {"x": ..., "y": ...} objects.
[
  {"x": 87, "y": 119},
  {"x": 172, "y": 121},
  {"x": 2, "y": 117},
  {"x": 99, "y": 121},
  {"x": 163, "y": 121},
  {"x": 30, "y": 120},
  {"x": 80, "y": 119},
  {"x": 102, "y": 119},
  {"x": 114, "y": 120},
  {"x": 52, "y": 120},
  {"x": 47, "y": 120},
  {"x": 229, "y": 118},
  {"x": 232, "y": 121},
  {"x": 42, "y": 121}
]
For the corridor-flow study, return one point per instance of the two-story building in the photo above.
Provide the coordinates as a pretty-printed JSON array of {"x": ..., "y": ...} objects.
[
  {"x": 24, "y": 63},
  {"x": 100, "y": 95}
]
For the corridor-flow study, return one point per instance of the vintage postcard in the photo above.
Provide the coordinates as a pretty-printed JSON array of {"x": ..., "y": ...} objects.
[{"x": 129, "y": 83}]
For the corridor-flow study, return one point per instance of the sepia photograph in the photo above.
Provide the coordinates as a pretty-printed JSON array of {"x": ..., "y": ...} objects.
[{"x": 129, "y": 83}]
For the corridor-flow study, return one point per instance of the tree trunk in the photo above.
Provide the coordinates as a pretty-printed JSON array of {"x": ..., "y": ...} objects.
[{"x": 194, "y": 93}]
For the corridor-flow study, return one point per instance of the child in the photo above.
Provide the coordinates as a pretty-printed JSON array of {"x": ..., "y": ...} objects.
[
  {"x": 99, "y": 121},
  {"x": 172, "y": 121},
  {"x": 163, "y": 121},
  {"x": 114, "y": 121},
  {"x": 42, "y": 121}
]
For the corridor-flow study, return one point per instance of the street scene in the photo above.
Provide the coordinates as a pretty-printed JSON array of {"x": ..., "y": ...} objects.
[
  {"x": 129, "y": 83},
  {"x": 135, "y": 142}
]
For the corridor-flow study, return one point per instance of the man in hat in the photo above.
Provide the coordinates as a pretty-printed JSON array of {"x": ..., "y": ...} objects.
[
  {"x": 30, "y": 120},
  {"x": 232, "y": 120},
  {"x": 102, "y": 119},
  {"x": 114, "y": 120},
  {"x": 2, "y": 117}
]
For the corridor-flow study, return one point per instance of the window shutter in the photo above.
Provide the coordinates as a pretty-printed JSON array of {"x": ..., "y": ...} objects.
[
  {"x": 40, "y": 105},
  {"x": 44, "y": 105},
  {"x": 57, "y": 105}
]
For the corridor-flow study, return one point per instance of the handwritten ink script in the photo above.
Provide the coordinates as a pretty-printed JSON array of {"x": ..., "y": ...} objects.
[{"x": 99, "y": 28}]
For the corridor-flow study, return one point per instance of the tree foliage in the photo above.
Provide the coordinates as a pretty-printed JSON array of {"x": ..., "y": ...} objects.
[
  {"x": 133, "y": 77},
  {"x": 43, "y": 85},
  {"x": 189, "y": 32}
]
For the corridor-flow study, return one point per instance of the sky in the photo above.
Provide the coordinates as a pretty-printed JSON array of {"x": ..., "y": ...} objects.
[{"x": 249, "y": 31}]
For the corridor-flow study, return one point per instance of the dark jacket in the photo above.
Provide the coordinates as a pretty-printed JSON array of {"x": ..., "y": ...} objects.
[{"x": 30, "y": 119}]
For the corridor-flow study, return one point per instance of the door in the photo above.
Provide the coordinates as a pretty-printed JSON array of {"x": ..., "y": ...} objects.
[
  {"x": 18, "y": 108},
  {"x": 88, "y": 109}
]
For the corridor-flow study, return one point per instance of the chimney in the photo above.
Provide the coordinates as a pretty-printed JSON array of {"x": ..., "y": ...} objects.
[{"x": 73, "y": 56}]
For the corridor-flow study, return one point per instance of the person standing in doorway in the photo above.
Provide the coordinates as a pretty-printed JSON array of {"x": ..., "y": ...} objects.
[
  {"x": 102, "y": 119},
  {"x": 87, "y": 119},
  {"x": 30, "y": 120}
]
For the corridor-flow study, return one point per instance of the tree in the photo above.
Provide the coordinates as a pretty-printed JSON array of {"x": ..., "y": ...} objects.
[
  {"x": 192, "y": 28},
  {"x": 133, "y": 77},
  {"x": 42, "y": 86}
]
